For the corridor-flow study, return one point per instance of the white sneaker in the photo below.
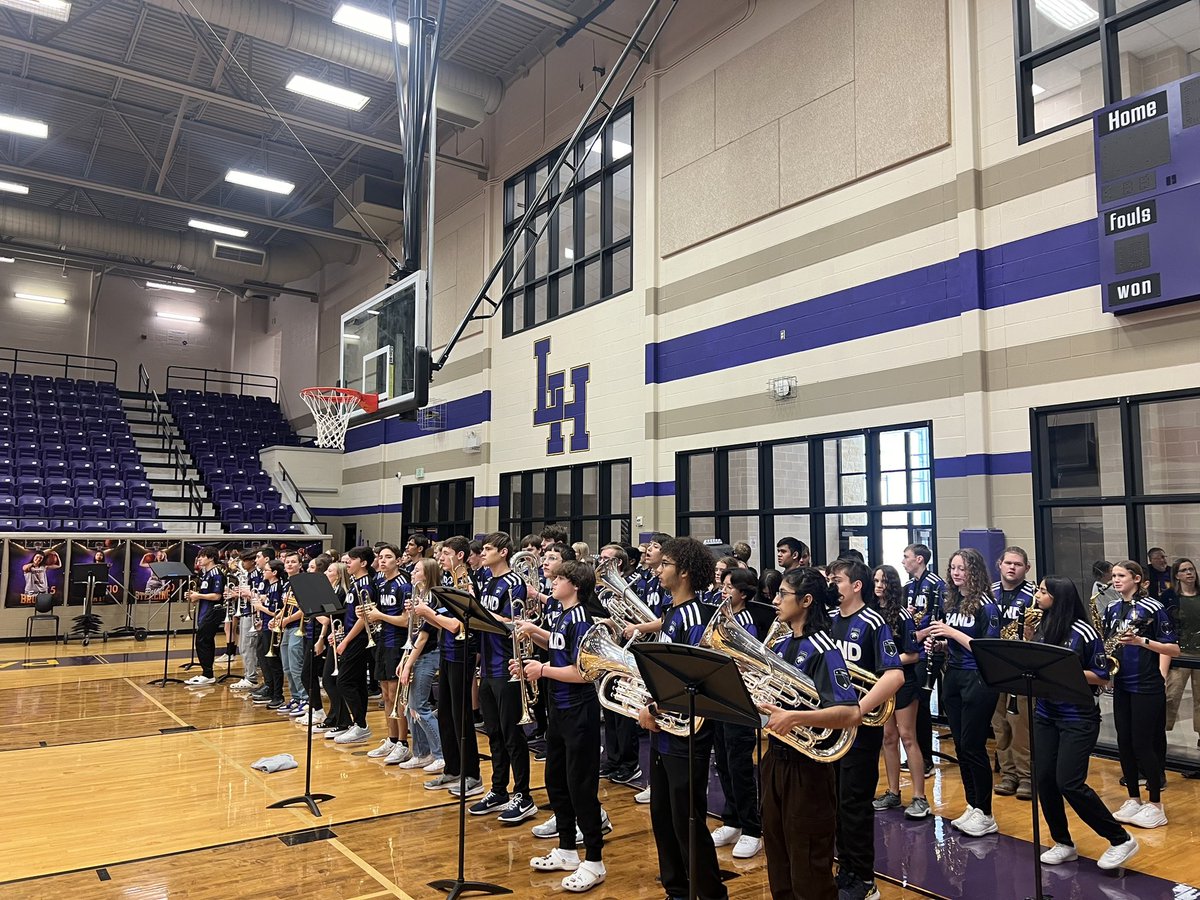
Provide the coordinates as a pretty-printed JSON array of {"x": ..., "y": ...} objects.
[
  {"x": 416, "y": 762},
  {"x": 243, "y": 685},
  {"x": 547, "y": 829},
  {"x": 747, "y": 847},
  {"x": 436, "y": 767},
  {"x": 1059, "y": 854},
  {"x": 1128, "y": 810},
  {"x": 196, "y": 680},
  {"x": 1116, "y": 856},
  {"x": 312, "y": 717},
  {"x": 642, "y": 796},
  {"x": 353, "y": 735},
  {"x": 725, "y": 835},
  {"x": 386, "y": 746},
  {"x": 400, "y": 753},
  {"x": 222, "y": 659},
  {"x": 979, "y": 824},
  {"x": 1149, "y": 816},
  {"x": 967, "y": 813}
]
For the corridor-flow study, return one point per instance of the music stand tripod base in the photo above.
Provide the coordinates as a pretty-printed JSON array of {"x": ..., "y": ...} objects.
[{"x": 310, "y": 800}]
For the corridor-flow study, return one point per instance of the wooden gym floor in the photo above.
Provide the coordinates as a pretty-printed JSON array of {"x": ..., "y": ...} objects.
[{"x": 116, "y": 788}]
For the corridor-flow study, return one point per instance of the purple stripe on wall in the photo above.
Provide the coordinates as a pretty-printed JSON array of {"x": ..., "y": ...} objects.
[
  {"x": 461, "y": 413},
  {"x": 358, "y": 510},
  {"x": 653, "y": 489},
  {"x": 1017, "y": 463},
  {"x": 488, "y": 500}
]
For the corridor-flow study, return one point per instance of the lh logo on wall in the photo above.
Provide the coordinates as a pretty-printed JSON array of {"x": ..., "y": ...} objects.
[{"x": 553, "y": 407}]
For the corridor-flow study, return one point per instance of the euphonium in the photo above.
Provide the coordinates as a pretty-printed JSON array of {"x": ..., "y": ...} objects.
[
  {"x": 770, "y": 679},
  {"x": 526, "y": 565},
  {"x": 621, "y": 599},
  {"x": 618, "y": 682},
  {"x": 776, "y": 633}
]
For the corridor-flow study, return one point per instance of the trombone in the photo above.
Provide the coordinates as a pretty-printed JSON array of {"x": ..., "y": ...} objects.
[
  {"x": 403, "y": 689},
  {"x": 190, "y": 613}
]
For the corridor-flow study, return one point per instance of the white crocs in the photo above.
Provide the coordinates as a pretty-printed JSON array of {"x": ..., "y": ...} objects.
[
  {"x": 586, "y": 877},
  {"x": 556, "y": 860}
]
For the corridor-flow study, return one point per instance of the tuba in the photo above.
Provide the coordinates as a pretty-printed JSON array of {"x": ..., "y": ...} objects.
[
  {"x": 620, "y": 599},
  {"x": 776, "y": 633},
  {"x": 770, "y": 679},
  {"x": 614, "y": 671}
]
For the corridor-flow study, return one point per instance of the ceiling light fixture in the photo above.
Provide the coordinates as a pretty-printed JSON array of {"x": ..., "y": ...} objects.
[
  {"x": 38, "y": 298},
  {"x": 177, "y": 288},
  {"x": 176, "y": 317},
  {"x": 350, "y": 16},
  {"x": 59, "y": 10},
  {"x": 27, "y": 127},
  {"x": 262, "y": 182},
  {"x": 13, "y": 188},
  {"x": 216, "y": 228},
  {"x": 327, "y": 93},
  {"x": 1068, "y": 14}
]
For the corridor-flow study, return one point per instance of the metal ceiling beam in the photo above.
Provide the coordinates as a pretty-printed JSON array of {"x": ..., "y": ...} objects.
[
  {"x": 225, "y": 213},
  {"x": 543, "y": 12},
  {"x": 197, "y": 93}
]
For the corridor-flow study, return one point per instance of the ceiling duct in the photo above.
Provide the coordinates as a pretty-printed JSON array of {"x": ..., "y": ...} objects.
[
  {"x": 71, "y": 231},
  {"x": 465, "y": 96}
]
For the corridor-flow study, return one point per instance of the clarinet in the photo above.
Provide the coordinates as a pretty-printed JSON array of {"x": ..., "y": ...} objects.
[{"x": 935, "y": 662}]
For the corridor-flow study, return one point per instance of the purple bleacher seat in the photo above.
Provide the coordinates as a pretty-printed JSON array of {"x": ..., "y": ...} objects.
[
  {"x": 257, "y": 513},
  {"x": 86, "y": 487},
  {"x": 105, "y": 457},
  {"x": 54, "y": 452},
  {"x": 8, "y": 484},
  {"x": 66, "y": 524},
  {"x": 8, "y": 524},
  {"x": 31, "y": 505},
  {"x": 6, "y": 448},
  {"x": 246, "y": 495},
  {"x": 223, "y": 494},
  {"x": 58, "y": 507},
  {"x": 82, "y": 468},
  {"x": 123, "y": 525},
  {"x": 151, "y": 526},
  {"x": 26, "y": 433},
  {"x": 35, "y": 525},
  {"x": 28, "y": 467},
  {"x": 93, "y": 525},
  {"x": 28, "y": 450},
  {"x": 133, "y": 471},
  {"x": 138, "y": 490},
  {"x": 232, "y": 512},
  {"x": 269, "y": 496},
  {"x": 8, "y": 505},
  {"x": 292, "y": 529},
  {"x": 116, "y": 508},
  {"x": 59, "y": 486},
  {"x": 144, "y": 509},
  {"x": 282, "y": 515},
  {"x": 31, "y": 485},
  {"x": 78, "y": 452},
  {"x": 107, "y": 470},
  {"x": 112, "y": 488},
  {"x": 89, "y": 508},
  {"x": 7, "y": 468},
  {"x": 240, "y": 528},
  {"x": 55, "y": 468}
]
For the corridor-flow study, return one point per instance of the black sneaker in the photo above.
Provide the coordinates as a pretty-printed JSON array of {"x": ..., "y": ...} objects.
[
  {"x": 539, "y": 755},
  {"x": 607, "y": 769},
  {"x": 375, "y": 694},
  {"x": 519, "y": 809},
  {"x": 904, "y": 765},
  {"x": 262, "y": 701},
  {"x": 627, "y": 774},
  {"x": 275, "y": 704},
  {"x": 929, "y": 771},
  {"x": 487, "y": 803}
]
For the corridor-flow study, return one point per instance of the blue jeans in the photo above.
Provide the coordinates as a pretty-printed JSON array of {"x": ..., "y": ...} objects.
[
  {"x": 422, "y": 719},
  {"x": 293, "y": 663}
]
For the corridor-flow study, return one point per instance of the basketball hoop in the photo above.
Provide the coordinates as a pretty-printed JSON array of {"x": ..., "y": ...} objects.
[{"x": 332, "y": 408}]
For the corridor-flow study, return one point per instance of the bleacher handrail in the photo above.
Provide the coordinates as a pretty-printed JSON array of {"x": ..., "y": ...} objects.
[
  {"x": 220, "y": 381},
  {"x": 299, "y": 504},
  {"x": 19, "y": 361},
  {"x": 163, "y": 424}
]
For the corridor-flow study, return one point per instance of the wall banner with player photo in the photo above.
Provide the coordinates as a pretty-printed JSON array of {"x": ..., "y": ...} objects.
[
  {"x": 109, "y": 552},
  {"x": 143, "y": 583},
  {"x": 35, "y": 567}
]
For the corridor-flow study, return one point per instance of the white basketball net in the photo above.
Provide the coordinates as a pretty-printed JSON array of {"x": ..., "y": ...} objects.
[{"x": 331, "y": 409}]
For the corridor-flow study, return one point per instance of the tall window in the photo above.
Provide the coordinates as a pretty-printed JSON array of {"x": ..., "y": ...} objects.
[
  {"x": 1074, "y": 56},
  {"x": 586, "y": 253},
  {"x": 439, "y": 509},
  {"x": 592, "y": 500},
  {"x": 868, "y": 490}
]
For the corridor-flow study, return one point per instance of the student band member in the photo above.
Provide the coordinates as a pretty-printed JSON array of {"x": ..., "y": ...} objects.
[
  {"x": 417, "y": 672},
  {"x": 901, "y": 727},
  {"x": 792, "y": 553},
  {"x": 247, "y": 635},
  {"x": 865, "y": 639},
  {"x": 210, "y": 613},
  {"x": 1014, "y": 595},
  {"x": 621, "y": 733},
  {"x": 392, "y": 617},
  {"x": 267, "y": 603},
  {"x": 354, "y": 656},
  {"x": 1065, "y": 733},
  {"x": 293, "y": 641},
  {"x": 799, "y": 794},
  {"x": 1183, "y": 603},
  {"x": 684, "y": 566},
  {"x": 970, "y": 613},
  {"x": 500, "y": 698},
  {"x": 572, "y": 734},
  {"x": 337, "y": 719},
  {"x": 1147, "y": 646},
  {"x": 924, "y": 595},
  {"x": 314, "y": 660}
]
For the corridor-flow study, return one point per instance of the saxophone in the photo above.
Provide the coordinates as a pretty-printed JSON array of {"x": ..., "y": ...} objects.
[{"x": 1113, "y": 642}]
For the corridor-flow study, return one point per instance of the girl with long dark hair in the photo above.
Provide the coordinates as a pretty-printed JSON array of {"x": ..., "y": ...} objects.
[{"x": 1065, "y": 733}]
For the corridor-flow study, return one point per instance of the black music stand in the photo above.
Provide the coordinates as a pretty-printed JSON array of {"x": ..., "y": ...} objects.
[
  {"x": 86, "y": 576},
  {"x": 695, "y": 681},
  {"x": 1032, "y": 669},
  {"x": 315, "y": 596},
  {"x": 179, "y": 573},
  {"x": 191, "y": 663},
  {"x": 464, "y": 607}
]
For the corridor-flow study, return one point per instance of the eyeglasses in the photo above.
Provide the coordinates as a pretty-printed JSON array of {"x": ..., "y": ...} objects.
[
  {"x": 664, "y": 563},
  {"x": 783, "y": 593}
]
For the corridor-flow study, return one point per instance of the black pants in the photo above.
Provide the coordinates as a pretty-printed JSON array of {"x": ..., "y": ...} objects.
[
  {"x": 969, "y": 707},
  {"x": 573, "y": 773},
  {"x": 500, "y": 703},
  {"x": 924, "y": 724},
  {"x": 672, "y": 828},
  {"x": 1141, "y": 721},
  {"x": 857, "y": 775},
  {"x": 206, "y": 631},
  {"x": 1063, "y": 750},
  {"x": 353, "y": 666},
  {"x": 452, "y": 707},
  {"x": 621, "y": 735},
  {"x": 798, "y": 812},
  {"x": 337, "y": 714},
  {"x": 272, "y": 666},
  {"x": 310, "y": 674},
  {"x": 733, "y": 746}
]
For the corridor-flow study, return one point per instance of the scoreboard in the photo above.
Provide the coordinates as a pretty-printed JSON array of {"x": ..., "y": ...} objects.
[{"x": 1148, "y": 197}]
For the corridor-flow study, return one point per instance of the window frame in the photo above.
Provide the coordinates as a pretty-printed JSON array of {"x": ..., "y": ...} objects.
[
  {"x": 576, "y": 269},
  {"x": 528, "y": 521},
  {"x": 818, "y": 509},
  {"x": 1109, "y": 24},
  {"x": 463, "y": 522}
]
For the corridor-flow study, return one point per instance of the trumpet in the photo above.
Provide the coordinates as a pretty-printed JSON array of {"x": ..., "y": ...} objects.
[
  {"x": 276, "y": 628},
  {"x": 190, "y": 613},
  {"x": 522, "y": 646},
  {"x": 769, "y": 679},
  {"x": 364, "y": 605},
  {"x": 621, "y": 600},
  {"x": 619, "y": 685}
]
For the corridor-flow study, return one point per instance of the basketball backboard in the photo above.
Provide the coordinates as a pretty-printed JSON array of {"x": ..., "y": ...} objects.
[{"x": 384, "y": 349}]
